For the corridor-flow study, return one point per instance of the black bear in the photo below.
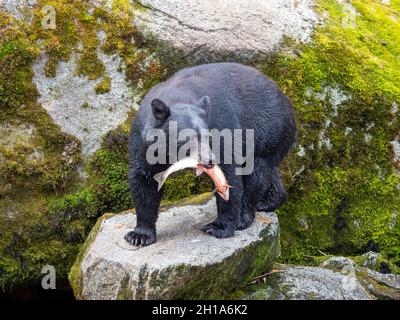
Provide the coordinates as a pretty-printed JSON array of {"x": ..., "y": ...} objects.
[{"x": 214, "y": 96}]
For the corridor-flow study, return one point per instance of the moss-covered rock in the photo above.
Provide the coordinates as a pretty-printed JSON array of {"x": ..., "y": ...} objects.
[
  {"x": 184, "y": 263},
  {"x": 342, "y": 181},
  {"x": 342, "y": 177},
  {"x": 52, "y": 193}
]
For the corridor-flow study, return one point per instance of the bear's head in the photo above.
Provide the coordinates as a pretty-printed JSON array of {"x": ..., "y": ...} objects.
[{"x": 185, "y": 124}]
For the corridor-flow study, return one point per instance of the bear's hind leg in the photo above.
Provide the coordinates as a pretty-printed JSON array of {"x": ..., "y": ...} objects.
[
  {"x": 228, "y": 211},
  {"x": 275, "y": 195},
  {"x": 254, "y": 185}
]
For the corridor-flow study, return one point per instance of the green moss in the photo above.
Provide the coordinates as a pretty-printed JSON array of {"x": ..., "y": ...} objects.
[
  {"x": 28, "y": 242},
  {"x": 72, "y": 206},
  {"x": 74, "y": 274},
  {"x": 8, "y": 48},
  {"x": 197, "y": 199},
  {"x": 344, "y": 196},
  {"x": 16, "y": 56},
  {"x": 119, "y": 31},
  {"x": 104, "y": 86},
  {"x": 184, "y": 184},
  {"x": 43, "y": 165},
  {"x": 90, "y": 66},
  {"x": 111, "y": 170},
  {"x": 60, "y": 42}
]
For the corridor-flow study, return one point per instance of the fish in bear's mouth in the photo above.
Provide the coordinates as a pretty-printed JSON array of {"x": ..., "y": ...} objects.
[{"x": 213, "y": 171}]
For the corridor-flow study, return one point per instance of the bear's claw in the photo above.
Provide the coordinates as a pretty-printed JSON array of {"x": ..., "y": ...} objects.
[
  {"x": 218, "y": 231},
  {"x": 140, "y": 237}
]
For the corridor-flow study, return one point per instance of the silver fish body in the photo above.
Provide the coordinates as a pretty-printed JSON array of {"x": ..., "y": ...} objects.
[
  {"x": 215, "y": 173},
  {"x": 177, "y": 166}
]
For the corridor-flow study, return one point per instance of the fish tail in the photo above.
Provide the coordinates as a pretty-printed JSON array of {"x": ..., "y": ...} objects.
[{"x": 159, "y": 177}]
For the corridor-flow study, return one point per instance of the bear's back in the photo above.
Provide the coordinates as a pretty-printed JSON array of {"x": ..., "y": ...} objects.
[
  {"x": 223, "y": 73},
  {"x": 216, "y": 80}
]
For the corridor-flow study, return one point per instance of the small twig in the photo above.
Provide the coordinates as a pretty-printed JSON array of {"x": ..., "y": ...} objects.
[
  {"x": 324, "y": 254},
  {"x": 264, "y": 275}
]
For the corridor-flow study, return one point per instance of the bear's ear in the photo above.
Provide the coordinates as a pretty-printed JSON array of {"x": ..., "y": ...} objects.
[
  {"x": 159, "y": 109},
  {"x": 204, "y": 103}
]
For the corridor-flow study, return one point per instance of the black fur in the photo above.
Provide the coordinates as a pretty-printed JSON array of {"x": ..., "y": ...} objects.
[{"x": 215, "y": 96}]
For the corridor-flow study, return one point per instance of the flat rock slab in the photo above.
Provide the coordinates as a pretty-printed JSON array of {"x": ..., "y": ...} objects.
[
  {"x": 183, "y": 263},
  {"x": 222, "y": 28}
]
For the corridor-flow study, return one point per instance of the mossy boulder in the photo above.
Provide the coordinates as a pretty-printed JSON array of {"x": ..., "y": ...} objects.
[
  {"x": 68, "y": 96},
  {"x": 343, "y": 175},
  {"x": 59, "y": 177},
  {"x": 184, "y": 263}
]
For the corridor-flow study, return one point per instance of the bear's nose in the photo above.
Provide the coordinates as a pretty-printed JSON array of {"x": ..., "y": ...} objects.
[{"x": 210, "y": 164}]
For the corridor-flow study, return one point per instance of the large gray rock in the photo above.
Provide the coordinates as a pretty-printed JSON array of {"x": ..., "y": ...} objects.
[
  {"x": 71, "y": 99},
  {"x": 65, "y": 95},
  {"x": 219, "y": 28},
  {"x": 311, "y": 283},
  {"x": 382, "y": 286},
  {"x": 216, "y": 27},
  {"x": 183, "y": 263}
]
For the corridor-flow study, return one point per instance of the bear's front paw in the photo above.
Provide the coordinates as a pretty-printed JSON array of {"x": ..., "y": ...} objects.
[
  {"x": 141, "y": 236},
  {"x": 217, "y": 230}
]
